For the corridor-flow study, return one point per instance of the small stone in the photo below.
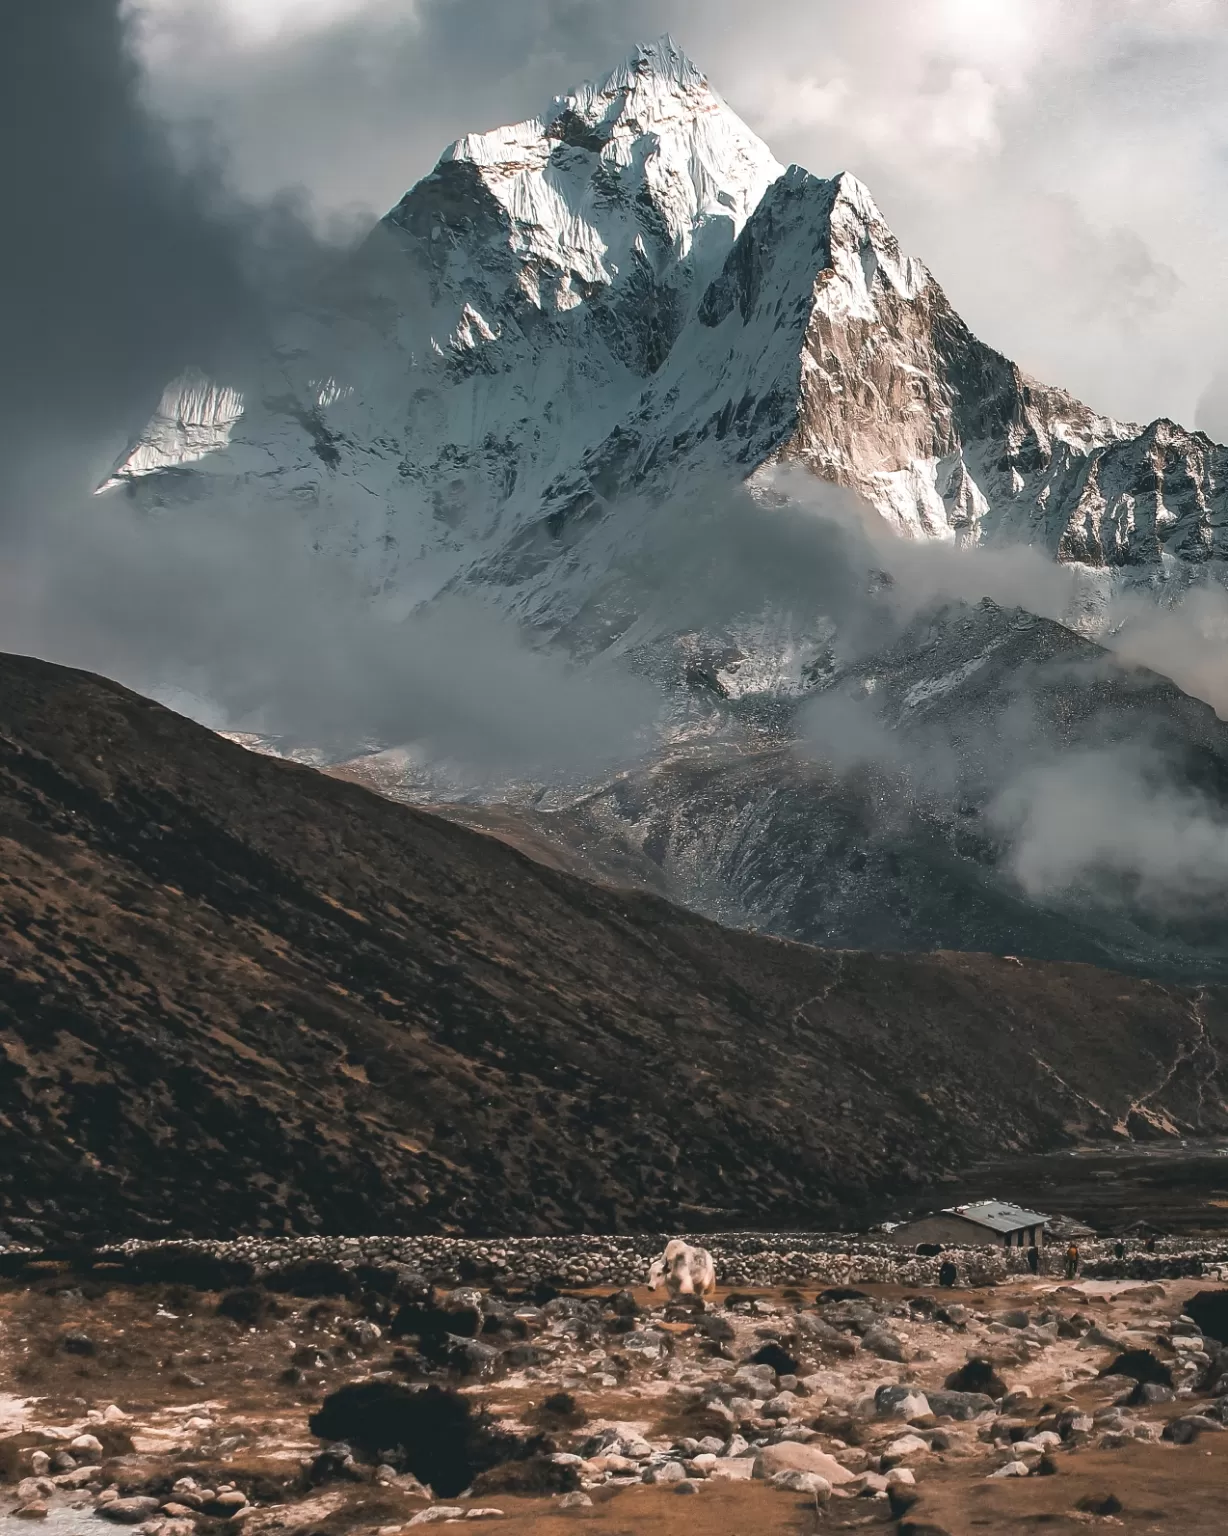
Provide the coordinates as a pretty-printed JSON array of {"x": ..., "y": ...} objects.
[
  {"x": 779, "y": 1407},
  {"x": 906, "y": 1445},
  {"x": 809, "y": 1483},
  {"x": 86, "y": 1447},
  {"x": 40, "y": 1463},
  {"x": 1012, "y": 1469},
  {"x": 882, "y": 1342},
  {"x": 670, "y": 1472},
  {"x": 229, "y": 1500},
  {"x": 438, "y": 1512},
  {"x": 576, "y": 1500},
  {"x": 485, "y": 1512},
  {"x": 867, "y": 1483},
  {"x": 34, "y": 1510},
  {"x": 687, "y": 1487},
  {"x": 128, "y": 1511},
  {"x": 733, "y": 1469}
]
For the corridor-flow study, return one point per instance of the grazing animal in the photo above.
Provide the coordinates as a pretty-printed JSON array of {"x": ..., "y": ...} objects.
[{"x": 685, "y": 1271}]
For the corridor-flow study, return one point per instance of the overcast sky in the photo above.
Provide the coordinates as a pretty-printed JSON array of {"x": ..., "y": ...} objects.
[{"x": 1061, "y": 165}]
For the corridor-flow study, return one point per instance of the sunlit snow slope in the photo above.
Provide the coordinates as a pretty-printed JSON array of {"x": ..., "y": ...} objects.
[{"x": 576, "y": 321}]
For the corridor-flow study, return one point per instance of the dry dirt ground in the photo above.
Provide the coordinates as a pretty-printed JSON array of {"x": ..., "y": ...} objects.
[{"x": 172, "y": 1389}]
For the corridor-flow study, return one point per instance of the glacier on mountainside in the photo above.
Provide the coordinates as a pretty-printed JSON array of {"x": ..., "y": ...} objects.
[{"x": 574, "y": 324}]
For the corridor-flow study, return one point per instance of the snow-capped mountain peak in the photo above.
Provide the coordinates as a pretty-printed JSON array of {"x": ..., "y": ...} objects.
[
  {"x": 573, "y": 319},
  {"x": 631, "y": 175}
]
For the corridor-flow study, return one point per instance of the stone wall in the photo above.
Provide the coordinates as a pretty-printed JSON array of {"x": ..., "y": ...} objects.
[{"x": 742, "y": 1259}]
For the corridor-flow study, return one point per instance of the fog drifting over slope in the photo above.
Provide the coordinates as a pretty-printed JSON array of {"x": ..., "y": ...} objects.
[{"x": 121, "y": 262}]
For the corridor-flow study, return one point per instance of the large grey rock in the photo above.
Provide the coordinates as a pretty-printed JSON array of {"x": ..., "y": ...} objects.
[
  {"x": 815, "y": 1331},
  {"x": 901, "y": 1402},
  {"x": 128, "y": 1511},
  {"x": 790, "y": 1456},
  {"x": 958, "y": 1405},
  {"x": 882, "y": 1342}
]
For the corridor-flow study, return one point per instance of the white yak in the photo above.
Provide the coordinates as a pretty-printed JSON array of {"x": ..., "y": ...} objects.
[{"x": 685, "y": 1271}]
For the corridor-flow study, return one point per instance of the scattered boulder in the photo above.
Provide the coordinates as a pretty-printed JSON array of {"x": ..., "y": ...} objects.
[
  {"x": 819, "y": 1332},
  {"x": 1185, "y": 1430},
  {"x": 792, "y": 1456},
  {"x": 1142, "y": 1366},
  {"x": 809, "y": 1483},
  {"x": 530, "y": 1476},
  {"x": 431, "y": 1430},
  {"x": 772, "y": 1354},
  {"x": 624, "y": 1304},
  {"x": 1146, "y": 1393},
  {"x": 1209, "y": 1310},
  {"x": 882, "y": 1342},
  {"x": 976, "y": 1375},
  {"x": 128, "y": 1511},
  {"x": 576, "y": 1500},
  {"x": 959, "y": 1405},
  {"x": 901, "y": 1402}
]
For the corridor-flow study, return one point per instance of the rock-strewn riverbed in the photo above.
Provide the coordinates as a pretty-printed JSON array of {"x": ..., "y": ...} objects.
[{"x": 327, "y": 1387}]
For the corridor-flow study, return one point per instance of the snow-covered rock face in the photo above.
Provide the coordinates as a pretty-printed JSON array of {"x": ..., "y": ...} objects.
[{"x": 574, "y": 323}]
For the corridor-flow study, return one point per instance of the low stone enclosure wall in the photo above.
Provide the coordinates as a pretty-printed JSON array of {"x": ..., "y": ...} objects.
[{"x": 741, "y": 1258}]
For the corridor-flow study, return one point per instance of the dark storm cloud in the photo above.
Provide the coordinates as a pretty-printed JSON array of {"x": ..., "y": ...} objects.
[
  {"x": 121, "y": 264},
  {"x": 115, "y": 264}
]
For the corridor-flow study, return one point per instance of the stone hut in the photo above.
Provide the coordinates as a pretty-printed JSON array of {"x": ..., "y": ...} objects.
[{"x": 995, "y": 1222}]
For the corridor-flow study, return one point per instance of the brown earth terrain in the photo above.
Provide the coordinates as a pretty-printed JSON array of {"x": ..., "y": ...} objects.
[
  {"x": 610, "y": 1405},
  {"x": 237, "y": 994}
]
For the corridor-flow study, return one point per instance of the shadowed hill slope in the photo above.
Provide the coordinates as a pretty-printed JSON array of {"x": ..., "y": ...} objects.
[{"x": 238, "y": 994}]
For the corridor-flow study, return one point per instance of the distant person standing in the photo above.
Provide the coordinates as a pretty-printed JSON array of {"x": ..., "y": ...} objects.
[
  {"x": 1034, "y": 1259},
  {"x": 1119, "y": 1249},
  {"x": 1150, "y": 1245},
  {"x": 947, "y": 1274},
  {"x": 1072, "y": 1262}
]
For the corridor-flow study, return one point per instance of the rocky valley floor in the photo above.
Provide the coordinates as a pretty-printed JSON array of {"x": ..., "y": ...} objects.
[{"x": 365, "y": 1400}]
